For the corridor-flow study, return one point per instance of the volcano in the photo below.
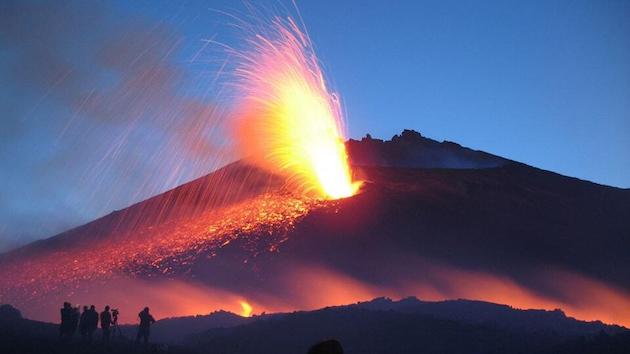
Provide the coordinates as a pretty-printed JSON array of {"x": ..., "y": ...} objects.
[{"x": 432, "y": 219}]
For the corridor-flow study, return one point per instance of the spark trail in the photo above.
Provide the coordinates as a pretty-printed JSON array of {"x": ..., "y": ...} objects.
[{"x": 287, "y": 121}]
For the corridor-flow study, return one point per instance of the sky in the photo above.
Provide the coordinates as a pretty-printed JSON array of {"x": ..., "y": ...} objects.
[{"x": 104, "y": 104}]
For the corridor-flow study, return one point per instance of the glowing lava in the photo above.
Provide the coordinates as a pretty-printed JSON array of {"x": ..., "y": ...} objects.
[
  {"x": 246, "y": 308},
  {"x": 287, "y": 121}
]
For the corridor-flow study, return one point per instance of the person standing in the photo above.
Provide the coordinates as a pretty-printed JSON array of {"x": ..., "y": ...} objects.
[
  {"x": 66, "y": 318},
  {"x": 92, "y": 322},
  {"x": 106, "y": 321},
  {"x": 144, "y": 329},
  {"x": 84, "y": 324},
  {"x": 74, "y": 321}
]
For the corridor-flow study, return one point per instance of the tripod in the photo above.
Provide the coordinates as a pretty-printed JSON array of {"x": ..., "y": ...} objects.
[{"x": 115, "y": 327}]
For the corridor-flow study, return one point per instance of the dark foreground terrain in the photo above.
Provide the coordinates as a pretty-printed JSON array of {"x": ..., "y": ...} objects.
[{"x": 377, "y": 326}]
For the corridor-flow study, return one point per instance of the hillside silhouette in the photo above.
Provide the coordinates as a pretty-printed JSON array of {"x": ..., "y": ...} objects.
[
  {"x": 372, "y": 331},
  {"x": 377, "y": 326}
]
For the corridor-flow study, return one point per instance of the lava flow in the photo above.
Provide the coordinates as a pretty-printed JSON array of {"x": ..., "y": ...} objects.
[{"x": 287, "y": 121}]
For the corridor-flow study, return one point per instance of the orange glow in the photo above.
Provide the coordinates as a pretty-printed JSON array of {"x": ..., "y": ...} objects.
[
  {"x": 111, "y": 272},
  {"x": 161, "y": 249},
  {"x": 287, "y": 121},
  {"x": 580, "y": 297},
  {"x": 246, "y": 308},
  {"x": 313, "y": 287}
]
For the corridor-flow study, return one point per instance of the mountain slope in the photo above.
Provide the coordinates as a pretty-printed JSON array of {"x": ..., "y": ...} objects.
[{"x": 509, "y": 234}]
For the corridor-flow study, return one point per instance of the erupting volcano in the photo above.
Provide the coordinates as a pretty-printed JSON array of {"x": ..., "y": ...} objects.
[
  {"x": 285, "y": 228},
  {"x": 241, "y": 236}
]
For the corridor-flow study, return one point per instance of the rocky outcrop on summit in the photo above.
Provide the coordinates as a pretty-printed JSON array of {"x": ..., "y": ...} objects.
[{"x": 411, "y": 150}]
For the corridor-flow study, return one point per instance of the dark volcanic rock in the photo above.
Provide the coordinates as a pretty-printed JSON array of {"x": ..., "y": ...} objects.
[
  {"x": 411, "y": 150},
  {"x": 9, "y": 314}
]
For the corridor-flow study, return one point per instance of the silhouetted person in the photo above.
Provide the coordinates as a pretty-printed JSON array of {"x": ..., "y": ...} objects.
[
  {"x": 92, "y": 322},
  {"x": 144, "y": 329},
  {"x": 74, "y": 322},
  {"x": 84, "y": 323},
  {"x": 331, "y": 346},
  {"x": 106, "y": 321},
  {"x": 66, "y": 318}
]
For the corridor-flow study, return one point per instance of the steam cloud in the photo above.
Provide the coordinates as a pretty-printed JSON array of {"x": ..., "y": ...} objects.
[{"x": 98, "y": 112}]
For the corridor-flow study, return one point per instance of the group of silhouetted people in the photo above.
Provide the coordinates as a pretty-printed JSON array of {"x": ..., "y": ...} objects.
[
  {"x": 87, "y": 323},
  {"x": 69, "y": 321},
  {"x": 88, "y": 320}
]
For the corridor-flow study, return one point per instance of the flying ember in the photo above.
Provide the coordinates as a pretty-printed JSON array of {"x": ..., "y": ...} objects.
[{"x": 288, "y": 122}]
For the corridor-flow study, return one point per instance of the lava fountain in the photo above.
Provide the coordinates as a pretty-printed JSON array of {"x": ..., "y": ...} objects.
[{"x": 287, "y": 120}]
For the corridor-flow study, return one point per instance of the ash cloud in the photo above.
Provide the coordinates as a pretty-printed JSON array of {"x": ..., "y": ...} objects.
[{"x": 98, "y": 113}]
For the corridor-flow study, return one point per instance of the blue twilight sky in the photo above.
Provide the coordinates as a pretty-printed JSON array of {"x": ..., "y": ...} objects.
[{"x": 106, "y": 103}]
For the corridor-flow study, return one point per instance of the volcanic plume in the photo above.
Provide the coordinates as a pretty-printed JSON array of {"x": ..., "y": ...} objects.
[{"x": 287, "y": 121}]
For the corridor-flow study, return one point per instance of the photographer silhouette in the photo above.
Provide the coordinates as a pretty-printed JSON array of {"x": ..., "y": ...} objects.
[{"x": 115, "y": 327}]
